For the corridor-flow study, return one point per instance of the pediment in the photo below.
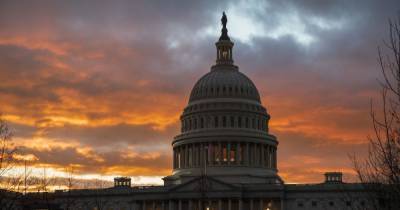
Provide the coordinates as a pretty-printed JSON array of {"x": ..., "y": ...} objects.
[{"x": 198, "y": 184}]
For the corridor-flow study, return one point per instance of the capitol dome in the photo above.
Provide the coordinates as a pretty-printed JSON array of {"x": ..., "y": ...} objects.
[{"x": 224, "y": 127}]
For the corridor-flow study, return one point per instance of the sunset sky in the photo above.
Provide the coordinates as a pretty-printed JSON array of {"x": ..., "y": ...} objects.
[{"x": 100, "y": 85}]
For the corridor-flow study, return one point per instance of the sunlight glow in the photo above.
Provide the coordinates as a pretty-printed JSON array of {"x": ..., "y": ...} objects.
[{"x": 247, "y": 19}]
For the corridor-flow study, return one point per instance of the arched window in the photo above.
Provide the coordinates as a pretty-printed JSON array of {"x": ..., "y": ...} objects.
[
  {"x": 216, "y": 153},
  {"x": 232, "y": 152},
  {"x": 224, "y": 153}
]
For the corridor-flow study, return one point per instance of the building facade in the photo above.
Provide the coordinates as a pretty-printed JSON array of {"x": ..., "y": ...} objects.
[{"x": 224, "y": 158}]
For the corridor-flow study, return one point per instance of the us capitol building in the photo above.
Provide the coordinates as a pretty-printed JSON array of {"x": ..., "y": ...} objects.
[{"x": 223, "y": 159}]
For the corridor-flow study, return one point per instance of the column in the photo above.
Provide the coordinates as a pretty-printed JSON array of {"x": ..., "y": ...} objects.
[
  {"x": 173, "y": 158},
  {"x": 163, "y": 205},
  {"x": 196, "y": 149},
  {"x": 228, "y": 152},
  {"x": 272, "y": 157},
  {"x": 251, "y": 204},
  {"x": 171, "y": 205},
  {"x": 144, "y": 205},
  {"x": 220, "y": 153},
  {"x": 135, "y": 205},
  {"x": 219, "y": 204},
  {"x": 200, "y": 204},
  {"x": 186, "y": 156},
  {"x": 180, "y": 205},
  {"x": 237, "y": 153},
  {"x": 230, "y": 204},
  {"x": 182, "y": 149},
  {"x": 253, "y": 155},
  {"x": 194, "y": 155},
  {"x": 262, "y": 155},
  {"x": 240, "y": 204},
  {"x": 269, "y": 157},
  {"x": 198, "y": 155},
  {"x": 261, "y": 204},
  {"x": 276, "y": 159},
  {"x": 154, "y": 205},
  {"x": 247, "y": 155},
  {"x": 201, "y": 154},
  {"x": 190, "y": 152},
  {"x": 257, "y": 154},
  {"x": 190, "y": 205},
  {"x": 210, "y": 156}
]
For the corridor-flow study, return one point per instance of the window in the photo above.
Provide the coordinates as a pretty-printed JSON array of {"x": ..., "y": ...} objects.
[
  {"x": 201, "y": 122},
  {"x": 247, "y": 122},
  {"x": 239, "y": 122},
  {"x": 216, "y": 122},
  {"x": 216, "y": 153},
  {"x": 232, "y": 121},
  {"x": 348, "y": 203},
  {"x": 331, "y": 203},
  {"x": 313, "y": 203},
  {"x": 224, "y": 153},
  {"x": 300, "y": 204},
  {"x": 240, "y": 152},
  {"x": 232, "y": 154}
]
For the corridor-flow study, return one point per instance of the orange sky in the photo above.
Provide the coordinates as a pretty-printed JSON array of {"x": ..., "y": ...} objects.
[{"x": 100, "y": 87}]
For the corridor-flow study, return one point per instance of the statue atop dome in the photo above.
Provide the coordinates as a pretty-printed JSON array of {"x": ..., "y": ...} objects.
[
  {"x": 224, "y": 34},
  {"x": 224, "y": 20}
]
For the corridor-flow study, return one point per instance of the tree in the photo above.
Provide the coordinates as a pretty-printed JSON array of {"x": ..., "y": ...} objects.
[
  {"x": 10, "y": 183},
  {"x": 69, "y": 201},
  {"x": 380, "y": 171},
  {"x": 6, "y": 149}
]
